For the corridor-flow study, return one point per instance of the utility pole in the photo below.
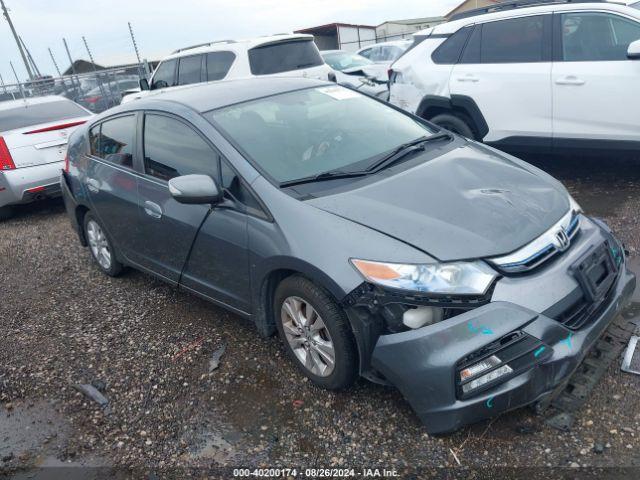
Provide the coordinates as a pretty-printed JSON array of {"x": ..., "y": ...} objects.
[
  {"x": 30, "y": 58},
  {"x": 135, "y": 47},
  {"x": 102, "y": 90},
  {"x": 73, "y": 67},
  {"x": 55, "y": 64},
  {"x": 17, "y": 80},
  {"x": 4, "y": 87},
  {"x": 15, "y": 36}
]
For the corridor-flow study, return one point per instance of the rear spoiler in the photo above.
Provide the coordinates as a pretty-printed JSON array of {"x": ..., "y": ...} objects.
[{"x": 299, "y": 38}]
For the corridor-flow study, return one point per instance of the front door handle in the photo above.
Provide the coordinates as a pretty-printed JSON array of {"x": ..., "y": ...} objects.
[
  {"x": 570, "y": 80},
  {"x": 152, "y": 209},
  {"x": 468, "y": 78},
  {"x": 93, "y": 185}
]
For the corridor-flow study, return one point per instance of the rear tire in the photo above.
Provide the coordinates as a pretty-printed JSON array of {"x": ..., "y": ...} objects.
[
  {"x": 316, "y": 333},
  {"x": 6, "y": 212},
  {"x": 101, "y": 246},
  {"x": 454, "y": 124}
]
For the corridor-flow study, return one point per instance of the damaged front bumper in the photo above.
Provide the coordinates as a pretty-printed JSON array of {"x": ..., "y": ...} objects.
[{"x": 541, "y": 352}]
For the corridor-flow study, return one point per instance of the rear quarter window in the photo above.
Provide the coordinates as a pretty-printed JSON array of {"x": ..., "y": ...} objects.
[
  {"x": 448, "y": 53},
  {"x": 219, "y": 64},
  {"x": 284, "y": 57},
  {"x": 36, "y": 114}
]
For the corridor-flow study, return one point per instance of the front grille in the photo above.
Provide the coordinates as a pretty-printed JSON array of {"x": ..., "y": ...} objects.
[
  {"x": 542, "y": 249},
  {"x": 583, "y": 312}
]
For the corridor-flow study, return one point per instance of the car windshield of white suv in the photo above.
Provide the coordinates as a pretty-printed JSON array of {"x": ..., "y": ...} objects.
[
  {"x": 34, "y": 114},
  {"x": 313, "y": 131},
  {"x": 284, "y": 57},
  {"x": 344, "y": 61}
]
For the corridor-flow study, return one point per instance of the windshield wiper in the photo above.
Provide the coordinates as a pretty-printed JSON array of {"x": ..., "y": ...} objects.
[
  {"x": 405, "y": 149},
  {"x": 395, "y": 155},
  {"x": 330, "y": 175}
]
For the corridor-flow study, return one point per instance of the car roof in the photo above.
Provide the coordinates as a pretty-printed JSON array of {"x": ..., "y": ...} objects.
[
  {"x": 9, "y": 104},
  {"x": 393, "y": 43},
  {"x": 204, "y": 97},
  {"x": 455, "y": 25},
  {"x": 236, "y": 45}
]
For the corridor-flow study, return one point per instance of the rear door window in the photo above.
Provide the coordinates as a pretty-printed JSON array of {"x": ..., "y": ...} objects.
[
  {"x": 165, "y": 75},
  {"x": 35, "y": 114},
  {"x": 113, "y": 140},
  {"x": 284, "y": 57},
  {"x": 517, "y": 40},
  {"x": 219, "y": 64},
  {"x": 173, "y": 149},
  {"x": 190, "y": 70}
]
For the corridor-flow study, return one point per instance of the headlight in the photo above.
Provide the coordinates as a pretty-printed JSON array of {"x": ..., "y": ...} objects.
[{"x": 463, "y": 278}]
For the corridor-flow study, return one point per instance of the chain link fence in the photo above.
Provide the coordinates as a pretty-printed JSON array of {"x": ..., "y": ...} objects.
[{"x": 96, "y": 91}]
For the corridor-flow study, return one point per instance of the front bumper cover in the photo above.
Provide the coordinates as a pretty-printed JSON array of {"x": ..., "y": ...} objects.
[{"x": 423, "y": 363}]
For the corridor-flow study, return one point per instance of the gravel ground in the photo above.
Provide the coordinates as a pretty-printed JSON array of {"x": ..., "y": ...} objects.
[{"x": 148, "y": 347}]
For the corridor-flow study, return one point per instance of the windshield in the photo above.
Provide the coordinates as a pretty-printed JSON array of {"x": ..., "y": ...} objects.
[
  {"x": 308, "y": 132},
  {"x": 636, "y": 5},
  {"x": 342, "y": 61}
]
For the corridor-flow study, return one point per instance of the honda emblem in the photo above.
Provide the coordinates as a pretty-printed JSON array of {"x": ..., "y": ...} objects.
[{"x": 562, "y": 240}]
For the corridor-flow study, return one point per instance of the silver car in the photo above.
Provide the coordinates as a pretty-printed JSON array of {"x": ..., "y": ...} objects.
[{"x": 33, "y": 143}]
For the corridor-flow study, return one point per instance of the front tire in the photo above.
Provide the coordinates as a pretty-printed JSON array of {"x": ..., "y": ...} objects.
[
  {"x": 316, "y": 333},
  {"x": 454, "y": 124},
  {"x": 101, "y": 246}
]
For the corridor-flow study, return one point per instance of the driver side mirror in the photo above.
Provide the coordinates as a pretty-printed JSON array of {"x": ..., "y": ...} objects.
[
  {"x": 144, "y": 84},
  {"x": 195, "y": 190},
  {"x": 633, "y": 53}
]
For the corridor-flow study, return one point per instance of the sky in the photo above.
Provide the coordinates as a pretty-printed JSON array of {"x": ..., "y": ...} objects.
[{"x": 161, "y": 26}]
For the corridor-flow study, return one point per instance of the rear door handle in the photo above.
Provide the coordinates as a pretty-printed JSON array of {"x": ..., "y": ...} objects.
[
  {"x": 93, "y": 185},
  {"x": 152, "y": 209},
  {"x": 570, "y": 80},
  {"x": 468, "y": 78}
]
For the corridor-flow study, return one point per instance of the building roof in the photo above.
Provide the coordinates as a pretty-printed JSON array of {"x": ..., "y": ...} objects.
[
  {"x": 329, "y": 28},
  {"x": 82, "y": 66},
  {"x": 455, "y": 10},
  {"x": 412, "y": 21}
]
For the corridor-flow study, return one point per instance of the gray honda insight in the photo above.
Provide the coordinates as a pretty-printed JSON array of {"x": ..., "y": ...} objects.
[{"x": 374, "y": 243}]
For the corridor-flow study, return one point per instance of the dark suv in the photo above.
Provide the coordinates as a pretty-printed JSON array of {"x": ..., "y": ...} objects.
[{"x": 375, "y": 243}]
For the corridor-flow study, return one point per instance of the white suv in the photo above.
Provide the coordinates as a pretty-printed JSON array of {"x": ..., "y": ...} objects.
[
  {"x": 529, "y": 75},
  {"x": 282, "y": 55}
]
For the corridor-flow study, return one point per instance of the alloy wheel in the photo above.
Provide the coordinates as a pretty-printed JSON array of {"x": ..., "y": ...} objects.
[
  {"x": 308, "y": 336},
  {"x": 99, "y": 244}
]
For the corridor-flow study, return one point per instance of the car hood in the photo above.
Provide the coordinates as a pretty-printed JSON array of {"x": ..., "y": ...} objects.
[{"x": 468, "y": 203}]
